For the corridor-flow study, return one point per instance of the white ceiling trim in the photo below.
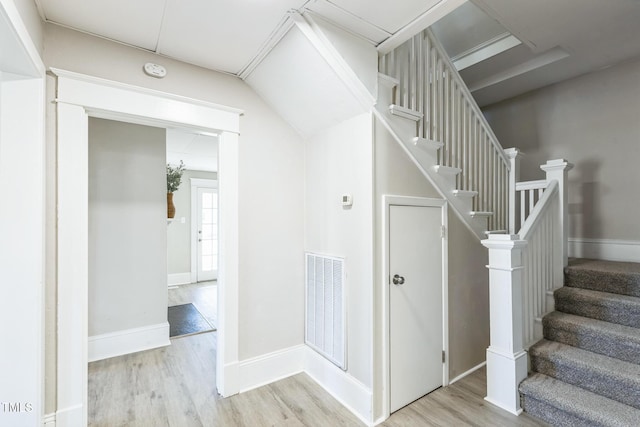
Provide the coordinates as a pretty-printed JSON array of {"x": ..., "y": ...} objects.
[
  {"x": 162, "y": 22},
  {"x": 274, "y": 38},
  {"x": 549, "y": 57},
  {"x": 314, "y": 34},
  {"x": 485, "y": 50},
  {"x": 40, "y": 8},
  {"x": 427, "y": 19},
  {"x": 347, "y": 21}
]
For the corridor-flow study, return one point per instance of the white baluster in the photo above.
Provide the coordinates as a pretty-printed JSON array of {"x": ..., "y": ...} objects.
[{"x": 513, "y": 154}]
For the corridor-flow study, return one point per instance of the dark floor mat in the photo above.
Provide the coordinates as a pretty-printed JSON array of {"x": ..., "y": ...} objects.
[{"x": 185, "y": 319}]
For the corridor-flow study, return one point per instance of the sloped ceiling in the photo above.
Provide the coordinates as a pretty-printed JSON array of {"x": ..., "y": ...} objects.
[
  {"x": 223, "y": 35},
  {"x": 509, "y": 46},
  {"x": 558, "y": 40}
]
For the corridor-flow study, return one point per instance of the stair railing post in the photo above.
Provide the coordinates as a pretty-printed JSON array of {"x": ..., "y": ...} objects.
[
  {"x": 506, "y": 358},
  {"x": 514, "y": 156},
  {"x": 558, "y": 170}
]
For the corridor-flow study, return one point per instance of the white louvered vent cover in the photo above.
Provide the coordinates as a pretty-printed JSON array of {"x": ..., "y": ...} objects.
[{"x": 325, "y": 329}]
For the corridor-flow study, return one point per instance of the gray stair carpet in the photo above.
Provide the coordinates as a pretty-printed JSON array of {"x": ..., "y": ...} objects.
[
  {"x": 606, "y": 276},
  {"x": 613, "y": 308},
  {"x": 562, "y": 404},
  {"x": 586, "y": 372},
  {"x": 603, "y": 375},
  {"x": 618, "y": 341}
]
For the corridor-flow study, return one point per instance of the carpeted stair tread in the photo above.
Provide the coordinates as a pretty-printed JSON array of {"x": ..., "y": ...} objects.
[
  {"x": 603, "y": 375},
  {"x": 617, "y": 341},
  {"x": 606, "y": 276},
  {"x": 562, "y": 404},
  {"x": 614, "y": 308}
]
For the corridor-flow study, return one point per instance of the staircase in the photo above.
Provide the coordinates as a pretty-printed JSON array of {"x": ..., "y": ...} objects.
[
  {"x": 588, "y": 360},
  {"x": 426, "y": 106},
  {"x": 586, "y": 370}
]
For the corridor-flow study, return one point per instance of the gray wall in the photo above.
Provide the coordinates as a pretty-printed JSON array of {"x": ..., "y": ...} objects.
[
  {"x": 339, "y": 160},
  {"x": 594, "y": 122},
  {"x": 271, "y": 175},
  {"x": 127, "y": 226},
  {"x": 396, "y": 174},
  {"x": 178, "y": 233}
]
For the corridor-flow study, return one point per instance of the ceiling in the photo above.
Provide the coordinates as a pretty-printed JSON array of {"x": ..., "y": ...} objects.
[
  {"x": 545, "y": 41},
  {"x": 502, "y": 47},
  {"x": 197, "y": 151}
]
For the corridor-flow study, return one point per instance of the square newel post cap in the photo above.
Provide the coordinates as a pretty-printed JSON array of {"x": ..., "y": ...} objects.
[
  {"x": 504, "y": 241},
  {"x": 557, "y": 165},
  {"x": 513, "y": 153}
]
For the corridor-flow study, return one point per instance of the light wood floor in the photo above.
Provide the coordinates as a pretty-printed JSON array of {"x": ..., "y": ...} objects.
[
  {"x": 203, "y": 295},
  {"x": 175, "y": 386}
]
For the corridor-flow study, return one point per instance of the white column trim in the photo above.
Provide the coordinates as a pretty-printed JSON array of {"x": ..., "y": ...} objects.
[
  {"x": 78, "y": 98},
  {"x": 227, "y": 371},
  {"x": 506, "y": 359}
]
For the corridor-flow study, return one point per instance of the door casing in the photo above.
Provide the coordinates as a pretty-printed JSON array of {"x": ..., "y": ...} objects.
[
  {"x": 387, "y": 201},
  {"x": 79, "y": 97}
]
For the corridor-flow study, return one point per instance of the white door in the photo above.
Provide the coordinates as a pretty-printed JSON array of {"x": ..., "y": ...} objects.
[
  {"x": 207, "y": 247},
  {"x": 415, "y": 303}
]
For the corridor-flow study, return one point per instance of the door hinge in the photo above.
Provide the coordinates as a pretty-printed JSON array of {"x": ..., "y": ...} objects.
[
  {"x": 443, "y": 356},
  {"x": 443, "y": 231}
]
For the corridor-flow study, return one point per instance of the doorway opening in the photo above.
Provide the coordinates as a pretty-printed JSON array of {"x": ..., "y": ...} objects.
[{"x": 81, "y": 97}]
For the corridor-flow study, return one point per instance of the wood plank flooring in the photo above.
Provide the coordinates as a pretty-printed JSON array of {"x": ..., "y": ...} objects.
[
  {"x": 203, "y": 295},
  {"x": 175, "y": 386}
]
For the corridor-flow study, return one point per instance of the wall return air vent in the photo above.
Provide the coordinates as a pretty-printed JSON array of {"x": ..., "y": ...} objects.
[{"x": 325, "y": 326}]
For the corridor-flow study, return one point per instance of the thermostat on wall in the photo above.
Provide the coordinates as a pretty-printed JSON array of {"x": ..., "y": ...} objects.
[
  {"x": 155, "y": 70},
  {"x": 347, "y": 200}
]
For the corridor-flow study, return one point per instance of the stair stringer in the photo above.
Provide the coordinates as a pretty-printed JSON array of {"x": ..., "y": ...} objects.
[{"x": 425, "y": 159}]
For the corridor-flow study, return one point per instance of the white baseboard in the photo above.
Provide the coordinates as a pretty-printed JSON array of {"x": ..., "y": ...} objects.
[
  {"x": 128, "y": 341},
  {"x": 262, "y": 370},
  {"x": 227, "y": 379},
  {"x": 49, "y": 420},
  {"x": 266, "y": 369},
  {"x": 469, "y": 372},
  {"x": 347, "y": 390},
  {"x": 178, "y": 279},
  {"x": 607, "y": 249}
]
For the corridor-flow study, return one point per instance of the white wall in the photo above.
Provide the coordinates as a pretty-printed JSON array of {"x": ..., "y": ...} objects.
[
  {"x": 22, "y": 251},
  {"x": 127, "y": 226},
  {"x": 594, "y": 122},
  {"x": 179, "y": 233},
  {"x": 396, "y": 174},
  {"x": 358, "y": 53},
  {"x": 339, "y": 161},
  {"x": 271, "y": 186}
]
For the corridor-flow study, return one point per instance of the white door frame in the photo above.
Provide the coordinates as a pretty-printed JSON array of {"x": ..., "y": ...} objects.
[
  {"x": 195, "y": 184},
  {"x": 387, "y": 202},
  {"x": 81, "y": 97}
]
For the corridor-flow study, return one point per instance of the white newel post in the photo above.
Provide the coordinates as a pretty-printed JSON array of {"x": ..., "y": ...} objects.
[
  {"x": 558, "y": 169},
  {"x": 506, "y": 358},
  {"x": 514, "y": 175}
]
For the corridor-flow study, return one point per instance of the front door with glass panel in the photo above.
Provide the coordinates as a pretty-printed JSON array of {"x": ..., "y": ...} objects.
[{"x": 207, "y": 244}]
